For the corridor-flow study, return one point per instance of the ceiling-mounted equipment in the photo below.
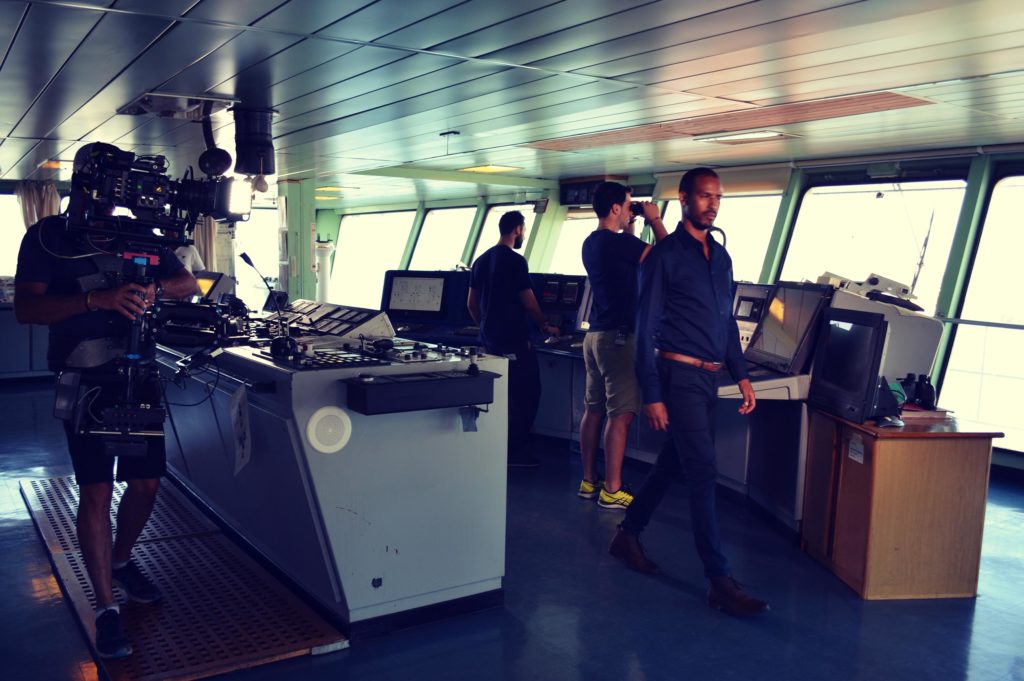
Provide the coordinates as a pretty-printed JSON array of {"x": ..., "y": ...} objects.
[
  {"x": 254, "y": 144},
  {"x": 174, "y": 105}
]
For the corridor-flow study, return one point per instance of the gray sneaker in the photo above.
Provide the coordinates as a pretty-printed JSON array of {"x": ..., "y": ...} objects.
[
  {"x": 135, "y": 584},
  {"x": 111, "y": 641}
]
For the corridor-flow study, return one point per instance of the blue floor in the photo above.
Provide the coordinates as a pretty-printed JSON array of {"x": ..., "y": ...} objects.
[{"x": 570, "y": 611}]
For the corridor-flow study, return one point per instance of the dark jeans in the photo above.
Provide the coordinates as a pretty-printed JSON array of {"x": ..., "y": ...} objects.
[
  {"x": 523, "y": 396},
  {"x": 690, "y": 395}
]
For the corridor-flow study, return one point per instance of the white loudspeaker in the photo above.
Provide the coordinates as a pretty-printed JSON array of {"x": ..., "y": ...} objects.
[{"x": 329, "y": 429}]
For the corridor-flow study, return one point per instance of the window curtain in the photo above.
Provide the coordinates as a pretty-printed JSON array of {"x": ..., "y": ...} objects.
[
  {"x": 205, "y": 236},
  {"x": 38, "y": 200}
]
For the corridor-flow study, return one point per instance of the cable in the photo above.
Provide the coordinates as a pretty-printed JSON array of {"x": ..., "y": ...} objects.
[
  {"x": 174, "y": 428},
  {"x": 210, "y": 389}
]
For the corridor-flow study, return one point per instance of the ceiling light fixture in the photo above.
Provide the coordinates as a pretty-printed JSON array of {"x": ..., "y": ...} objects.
[
  {"x": 489, "y": 169},
  {"x": 334, "y": 190},
  {"x": 743, "y": 136}
]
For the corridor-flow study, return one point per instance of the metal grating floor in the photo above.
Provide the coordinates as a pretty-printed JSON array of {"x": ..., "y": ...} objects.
[{"x": 221, "y": 611}]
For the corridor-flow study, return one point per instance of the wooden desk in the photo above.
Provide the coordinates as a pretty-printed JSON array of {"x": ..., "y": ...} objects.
[{"x": 897, "y": 512}]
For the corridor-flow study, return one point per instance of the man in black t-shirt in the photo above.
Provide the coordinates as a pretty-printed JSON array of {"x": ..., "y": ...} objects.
[
  {"x": 611, "y": 255},
  {"x": 501, "y": 301},
  {"x": 70, "y": 285}
]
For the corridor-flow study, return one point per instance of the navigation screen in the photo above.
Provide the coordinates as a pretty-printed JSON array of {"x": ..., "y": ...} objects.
[
  {"x": 792, "y": 313},
  {"x": 417, "y": 294}
]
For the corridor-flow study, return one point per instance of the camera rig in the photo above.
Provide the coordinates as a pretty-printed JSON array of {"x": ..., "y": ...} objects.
[{"x": 165, "y": 214}]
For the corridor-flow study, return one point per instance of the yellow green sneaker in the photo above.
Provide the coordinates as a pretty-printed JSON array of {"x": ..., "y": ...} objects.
[
  {"x": 589, "y": 490},
  {"x": 619, "y": 501}
]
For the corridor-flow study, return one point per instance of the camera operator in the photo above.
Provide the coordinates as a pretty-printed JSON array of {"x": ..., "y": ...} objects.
[{"x": 68, "y": 282}]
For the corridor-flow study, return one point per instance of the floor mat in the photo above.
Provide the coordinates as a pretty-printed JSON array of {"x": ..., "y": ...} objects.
[{"x": 221, "y": 610}]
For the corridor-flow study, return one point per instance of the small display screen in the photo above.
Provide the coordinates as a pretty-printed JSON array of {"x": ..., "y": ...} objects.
[
  {"x": 549, "y": 294},
  {"x": 570, "y": 291},
  {"x": 847, "y": 350},
  {"x": 417, "y": 294},
  {"x": 205, "y": 284}
]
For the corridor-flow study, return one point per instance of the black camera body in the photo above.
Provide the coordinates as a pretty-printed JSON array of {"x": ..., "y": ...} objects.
[
  {"x": 165, "y": 210},
  {"x": 636, "y": 208}
]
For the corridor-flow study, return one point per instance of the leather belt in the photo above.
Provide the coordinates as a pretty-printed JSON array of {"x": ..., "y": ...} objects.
[{"x": 686, "y": 359}]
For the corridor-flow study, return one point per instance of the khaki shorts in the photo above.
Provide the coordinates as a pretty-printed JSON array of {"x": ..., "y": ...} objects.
[{"x": 611, "y": 375}]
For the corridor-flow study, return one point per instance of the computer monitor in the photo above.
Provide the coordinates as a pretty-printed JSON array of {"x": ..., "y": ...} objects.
[
  {"x": 415, "y": 296},
  {"x": 844, "y": 380},
  {"x": 785, "y": 337}
]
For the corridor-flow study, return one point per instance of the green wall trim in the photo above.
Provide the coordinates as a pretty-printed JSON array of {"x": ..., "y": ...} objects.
[
  {"x": 474, "y": 232},
  {"x": 961, "y": 252},
  {"x": 784, "y": 219},
  {"x": 414, "y": 234},
  {"x": 301, "y": 217}
]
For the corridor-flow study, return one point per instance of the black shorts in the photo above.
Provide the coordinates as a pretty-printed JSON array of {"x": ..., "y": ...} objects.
[{"x": 88, "y": 453}]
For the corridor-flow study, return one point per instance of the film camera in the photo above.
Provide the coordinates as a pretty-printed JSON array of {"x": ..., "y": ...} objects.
[
  {"x": 636, "y": 208},
  {"x": 165, "y": 210}
]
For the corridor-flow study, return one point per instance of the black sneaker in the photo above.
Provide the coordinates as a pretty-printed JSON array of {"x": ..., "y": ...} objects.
[
  {"x": 135, "y": 584},
  {"x": 111, "y": 641}
]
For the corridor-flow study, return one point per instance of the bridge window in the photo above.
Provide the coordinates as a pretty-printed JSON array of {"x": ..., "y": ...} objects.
[
  {"x": 985, "y": 377},
  {"x": 567, "y": 258},
  {"x": 13, "y": 230},
  {"x": 899, "y": 230},
  {"x": 368, "y": 245},
  {"x": 747, "y": 220},
  {"x": 442, "y": 238},
  {"x": 258, "y": 238}
]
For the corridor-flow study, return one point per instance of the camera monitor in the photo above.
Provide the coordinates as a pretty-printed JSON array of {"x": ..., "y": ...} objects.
[
  {"x": 785, "y": 337},
  {"x": 851, "y": 346},
  {"x": 213, "y": 284}
]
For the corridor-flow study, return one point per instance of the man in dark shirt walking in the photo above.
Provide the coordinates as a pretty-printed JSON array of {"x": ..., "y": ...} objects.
[
  {"x": 686, "y": 333},
  {"x": 611, "y": 255},
  {"x": 501, "y": 301}
]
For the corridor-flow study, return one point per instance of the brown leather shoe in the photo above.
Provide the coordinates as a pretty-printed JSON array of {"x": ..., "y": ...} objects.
[
  {"x": 626, "y": 547},
  {"x": 725, "y": 594}
]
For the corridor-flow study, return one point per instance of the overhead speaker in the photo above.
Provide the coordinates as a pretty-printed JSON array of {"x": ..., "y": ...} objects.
[{"x": 329, "y": 429}]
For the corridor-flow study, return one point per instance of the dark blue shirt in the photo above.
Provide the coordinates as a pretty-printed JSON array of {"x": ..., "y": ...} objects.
[
  {"x": 686, "y": 307},
  {"x": 499, "y": 276},
  {"x": 611, "y": 259},
  {"x": 48, "y": 256}
]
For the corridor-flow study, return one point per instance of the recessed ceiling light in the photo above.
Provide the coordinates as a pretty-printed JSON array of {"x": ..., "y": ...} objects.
[
  {"x": 335, "y": 190},
  {"x": 489, "y": 169},
  {"x": 326, "y": 198},
  {"x": 743, "y": 136}
]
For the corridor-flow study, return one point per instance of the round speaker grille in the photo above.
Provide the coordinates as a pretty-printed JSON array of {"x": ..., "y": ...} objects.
[{"x": 329, "y": 429}]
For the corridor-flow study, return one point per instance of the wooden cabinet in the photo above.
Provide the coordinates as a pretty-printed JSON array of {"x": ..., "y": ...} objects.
[{"x": 897, "y": 513}]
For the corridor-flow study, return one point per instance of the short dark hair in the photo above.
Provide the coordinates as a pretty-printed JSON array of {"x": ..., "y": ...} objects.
[
  {"x": 607, "y": 195},
  {"x": 509, "y": 221},
  {"x": 689, "y": 178}
]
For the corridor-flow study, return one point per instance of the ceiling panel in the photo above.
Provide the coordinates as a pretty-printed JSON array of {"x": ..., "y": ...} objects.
[
  {"x": 844, "y": 62},
  {"x": 462, "y": 20},
  {"x": 115, "y": 42},
  {"x": 384, "y": 17},
  {"x": 179, "y": 47},
  {"x": 46, "y": 37},
  {"x": 309, "y": 16},
  {"x": 505, "y": 74},
  {"x": 772, "y": 91},
  {"x": 547, "y": 21}
]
